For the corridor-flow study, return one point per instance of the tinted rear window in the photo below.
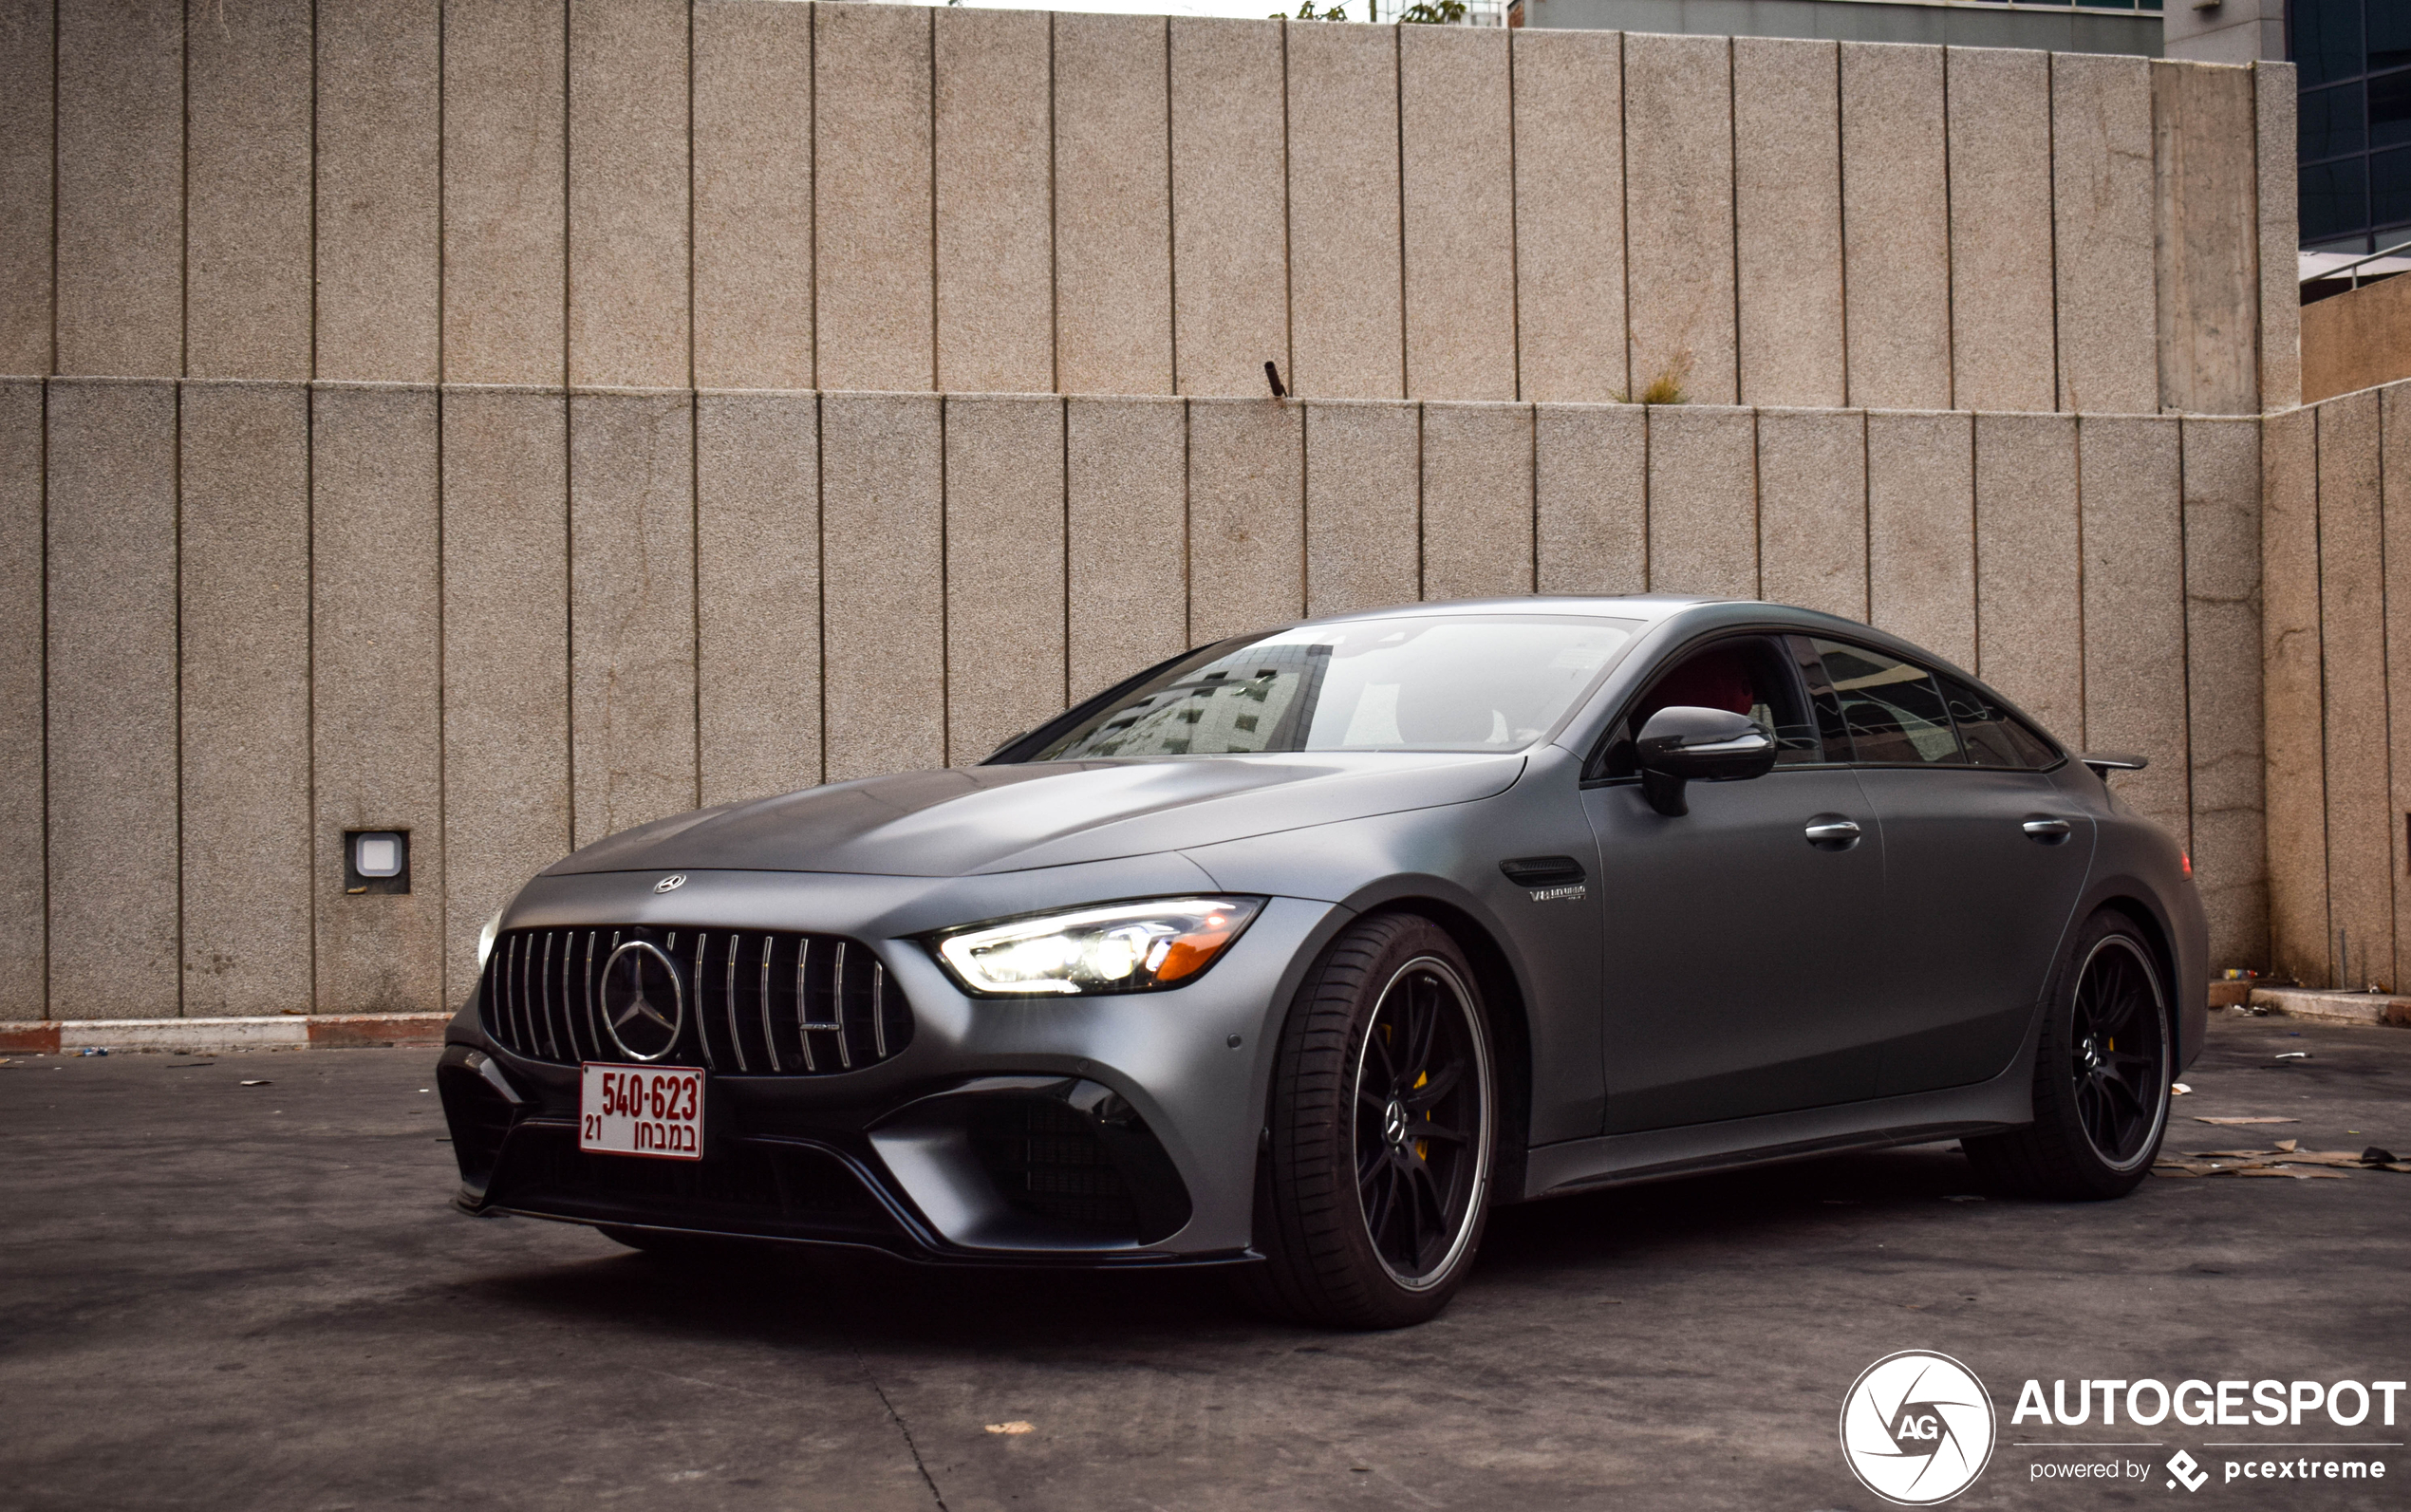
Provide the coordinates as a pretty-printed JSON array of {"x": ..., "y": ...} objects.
[
  {"x": 1992, "y": 735},
  {"x": 1891, "y": 709}
]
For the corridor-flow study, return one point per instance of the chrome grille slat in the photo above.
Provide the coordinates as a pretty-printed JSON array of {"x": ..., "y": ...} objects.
[
  {"x": 837, "y": 1010},
  {"x": 879, "y": 1009},
  {"x": 728, "y": 1000},
  {"x": 770, "y": 1035},
  {"x": 544, "y": 996}
]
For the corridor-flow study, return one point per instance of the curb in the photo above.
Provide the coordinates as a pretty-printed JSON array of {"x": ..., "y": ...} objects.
[
  {"x": 2335, "y": 1007},
  {"x": 280, "y": 1032}
]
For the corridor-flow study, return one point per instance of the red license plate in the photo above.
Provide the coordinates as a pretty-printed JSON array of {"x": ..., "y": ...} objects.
[{"x": 641, "y": 1111}]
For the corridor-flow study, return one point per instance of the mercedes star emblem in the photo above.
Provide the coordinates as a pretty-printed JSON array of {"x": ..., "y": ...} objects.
[{"x": 644, "y": 1001}]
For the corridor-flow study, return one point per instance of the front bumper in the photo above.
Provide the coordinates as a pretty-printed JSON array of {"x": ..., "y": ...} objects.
[{"x": 1089, "y": 1131}]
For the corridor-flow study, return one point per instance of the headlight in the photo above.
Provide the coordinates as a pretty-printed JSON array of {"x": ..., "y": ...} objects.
[
  {"x": 1115, "y": 947},
  {"x": 485, "y": 938}
]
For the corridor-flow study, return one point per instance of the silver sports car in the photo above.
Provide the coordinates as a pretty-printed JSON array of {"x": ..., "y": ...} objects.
[{"x": 1300, "y": 951}]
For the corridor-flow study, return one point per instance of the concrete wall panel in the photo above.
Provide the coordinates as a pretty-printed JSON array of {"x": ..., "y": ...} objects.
[
  {"x": 1590, "y": 487},
  {"x": 1896, "y": 225},
  {"x": 1678, "y": 186},
  {"x": 22, "y": 885},
  {"x": 1246, "y": 516},
  {"x": 2029, "y": 552},
  {"x": 871, "y": 106},
  {"x": 376, "y": 724},
  {"x": 1457, "y": 151},
  {"x": 1364, "y": 488},
  {"x": 1126, "y": 480},
  {"x": 1703, "y": 501},
  {"x": 2128, "y": 473},
  {"x": 1787, "y": 215},
  {"x": 505, "y": 656},
  {"x": 121, "y": 187},
  {"x": 884, "y": 661},
  {"x": 2352, "y": 643},
  {"x": 1922, "y": 530},
  {"x": 28, "y": 120},
  {"x": 753, "y": 195},
  {"x": 2275, "y": 189},
  {"x": 1569, "y": 215},
  {"x": 629, "y": 181},
  {"x": 1346, "y": 320},
  {"x": 2209, "y": 267},
  {"x": 2003, "y": 348},
  {"x": 247, "y": 201},
  {"x": 1477, "y": 500},
  {"x": 995, "y": 188},
  {"x": 379, "y": 196},
  {"x": 1230, "y": 206},
  {"x": 1113, "y": 206},
  {"x": 112, "y": 701},
  {"x": 631, "y": 609},
  {"x": 244, "y": 600},
  {"x": 758, "y": 582},
  {"x": 1812, "y": 510},
  {"x": 1004, "y": 570},
  {"x": 2102, "y": 197},
  {"x": 2222, "y": 685},
  {"x": 2395, "y": 468},
  {"x": 2295, "y": 742},
  {"x": 504, "y": 111}
]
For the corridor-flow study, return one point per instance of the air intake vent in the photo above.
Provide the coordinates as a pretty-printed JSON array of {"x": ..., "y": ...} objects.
[{"x": 753, "y": 1003}]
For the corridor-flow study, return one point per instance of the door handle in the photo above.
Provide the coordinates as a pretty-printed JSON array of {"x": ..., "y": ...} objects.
[
  {"x": 2048, "y": 830},
  {"x": 1831, "y": 832}
]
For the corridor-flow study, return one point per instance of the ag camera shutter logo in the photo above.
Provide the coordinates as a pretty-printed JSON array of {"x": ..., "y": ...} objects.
[{"x": 1918, "y": 1428}]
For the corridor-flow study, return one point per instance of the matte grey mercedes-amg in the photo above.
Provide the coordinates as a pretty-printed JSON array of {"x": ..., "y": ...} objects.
[{"x": 1300, "y": 951}]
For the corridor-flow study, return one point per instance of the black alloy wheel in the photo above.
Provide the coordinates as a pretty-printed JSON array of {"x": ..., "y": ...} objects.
[
  {"x": 2119, "y": 1052},
  {"x": 2103, "y": 1070},
  {"x": 1420, "y": 1120},
  {"x": 1375, "y": 1182}
]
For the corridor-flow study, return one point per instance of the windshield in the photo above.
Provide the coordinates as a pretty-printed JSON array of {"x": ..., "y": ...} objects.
[{"x": 1433, "y": 682}]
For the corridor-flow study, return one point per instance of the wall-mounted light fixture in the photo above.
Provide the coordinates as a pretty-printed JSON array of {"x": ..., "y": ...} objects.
[{"x": 376, "y": 861}]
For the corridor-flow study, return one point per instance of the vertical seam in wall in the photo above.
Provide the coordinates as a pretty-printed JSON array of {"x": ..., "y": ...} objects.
[
  {"x": 945, "y": 616},
  {"x": 2385, "y": 680},
  {"x": 1733, "y": 215},
  {"x": 1841, "y": 259},
  {"x": 1625, "y": 229},
  {"x": 2319, "y": 639},
  {"x": 1188, "y": 575},
  {"x": 183, "y": 301},
  {"x": 1757, "y": 512},
  {"x": 1421, "y": 412},
  {"x": 1532, "y": 482},
  {"x": 2051, "y": 185},
  {"x": 1866, "y": 517},
  {"x": 691, "y": 379},
  {"x": 2083, "y": 648},
  {"x": 1975, "y": 542},
  {"x": 1406, "y": 366},
  {"x": 1515, "y": 281},
  {"x": 820, "y": 550},
  {"x": 569, "y": 257},
  {"x": 929, "y": 53},
  {"x": 176, "y": 453},
  {"x": 1063, "y": 436},
  {"x": 41, "y": 395},
  {"x": 1055, "y": 330},
  {"x": 2185, "y": 627},
  {"x": 309, "y": 586},
  {"x": 1949, "y": 266},
  {"x": 695, "y": 573},
  {"x": 811, "y": 241},
  {"x": 443, "y": 806},
  {"x": 51, "y": 366},
  {"x": 311, "y": 371},
  {"x": 1649, "y": 490},
  {"x": 1289, "y": 281},
  {"x": 1172, "y": 281}
]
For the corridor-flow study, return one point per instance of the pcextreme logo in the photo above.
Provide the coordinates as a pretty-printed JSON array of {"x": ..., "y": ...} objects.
[{"x": 1918, "y": 1428}]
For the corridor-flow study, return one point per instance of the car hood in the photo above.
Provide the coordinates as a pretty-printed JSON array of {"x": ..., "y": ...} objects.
[{"x": 1007, "y": 818}]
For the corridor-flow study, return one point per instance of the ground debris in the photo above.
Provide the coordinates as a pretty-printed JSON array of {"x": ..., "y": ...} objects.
[
  {"x": 2202, "y": 1120},
  {"x": 2280, "y": 1159}
]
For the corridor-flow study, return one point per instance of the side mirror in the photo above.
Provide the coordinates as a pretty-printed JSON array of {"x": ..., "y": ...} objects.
[{"x": 1682, "y": 744}]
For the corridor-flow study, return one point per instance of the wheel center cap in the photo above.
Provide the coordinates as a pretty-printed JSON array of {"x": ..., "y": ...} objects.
[
  {"x": 1394, "y": 1123},
  {"x": 2092, "y": 1054}
]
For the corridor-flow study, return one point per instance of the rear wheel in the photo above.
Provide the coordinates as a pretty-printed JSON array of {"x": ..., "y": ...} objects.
[
  {"x": 1374, "y": 1185},
  {"x": 2102, "y": 1074}
]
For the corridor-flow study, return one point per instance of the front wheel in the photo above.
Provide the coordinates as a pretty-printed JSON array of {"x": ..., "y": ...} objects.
[
  {"x": 2102, "y": 1074},
  {"x": 1375, "y": 1180}
]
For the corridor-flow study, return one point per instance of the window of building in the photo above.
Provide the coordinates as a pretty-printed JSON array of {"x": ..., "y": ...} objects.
[{"x": 2355, "y": 143}]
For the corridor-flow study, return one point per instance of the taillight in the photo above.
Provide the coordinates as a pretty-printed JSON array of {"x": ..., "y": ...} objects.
[{"x": 2188, "y": 857}]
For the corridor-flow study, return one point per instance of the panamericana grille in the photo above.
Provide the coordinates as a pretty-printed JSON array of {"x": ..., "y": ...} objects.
[{"x": 757, "y": 1002}]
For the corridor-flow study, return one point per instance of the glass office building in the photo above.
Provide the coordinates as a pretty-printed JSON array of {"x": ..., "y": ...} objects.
[{"x": 2355, "y": 147}]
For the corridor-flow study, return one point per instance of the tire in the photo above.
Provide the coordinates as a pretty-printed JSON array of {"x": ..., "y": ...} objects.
[
  {"x": 1367, "y": 1216},
  {"x": 2101, "y": 1108}
]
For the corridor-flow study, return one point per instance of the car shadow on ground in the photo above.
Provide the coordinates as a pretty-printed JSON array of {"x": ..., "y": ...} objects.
[{"x": 838, "y": 1297}]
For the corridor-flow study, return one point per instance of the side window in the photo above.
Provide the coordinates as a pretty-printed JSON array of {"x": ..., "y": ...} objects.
[
  {"x": 1745, "y": 675},
  {"x": 1993, "y": 736},
  {"x": 1891, "y": 708}
]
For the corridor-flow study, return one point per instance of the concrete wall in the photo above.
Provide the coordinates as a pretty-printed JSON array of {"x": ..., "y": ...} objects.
[
  {"x": 741, "y": 194},
  {"x": 871, "y": 336},
  {"x": 2358, "y": 339},
  {"x": 2337, "y": 550},
  {"x": 278, "y": 611}
]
